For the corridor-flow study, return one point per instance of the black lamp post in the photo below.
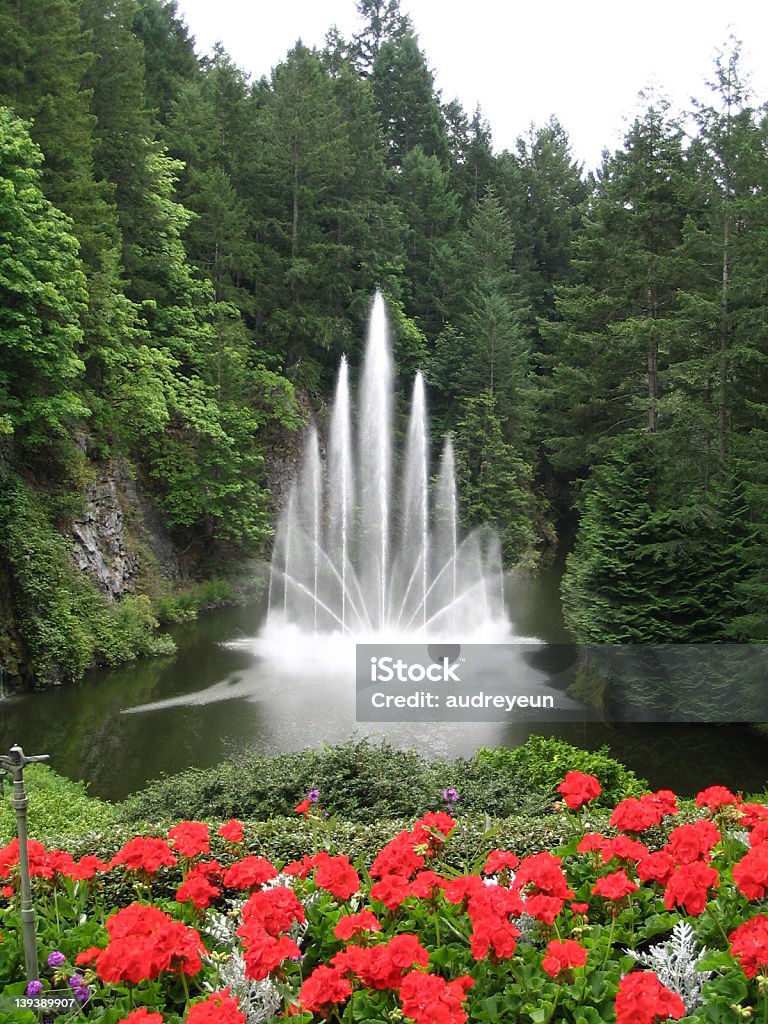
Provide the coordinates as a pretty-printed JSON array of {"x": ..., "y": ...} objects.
[{"x": 14, "y": 765}]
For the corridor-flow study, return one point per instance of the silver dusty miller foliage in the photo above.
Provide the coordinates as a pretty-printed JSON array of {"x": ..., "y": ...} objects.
[
  {"x": 260, "y": 1001},
  {"x": 676, "y": 964}
]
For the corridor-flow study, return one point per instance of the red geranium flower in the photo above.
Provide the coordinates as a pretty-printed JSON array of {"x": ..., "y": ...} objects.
[
  {"x": 248, "y": 873},
  {"x": 353, "y": 924},
  {"x": 382, "y": 967},
  {"x": 715, "y": 797},
  {"x": 273, "y": 910},
  {"x": 656, "y": 867},
  {"x": 198, "y": 889},
  {"x": 561, "y": 957},
  {"x": 431, "y": 822},
  {"x": 623, "y": 848},
  {"x": 750, "y": 875},
  {"x": 142, "y": 1016},
  {"x": 544, "y": 908},
  {"x": 689, "y": 887},
  {"x": 642, "y": 999},
  {"x": 325, "y": 987},
  {"x": 688, "y": 843},
  {"x": 303, "y": 807},
  {"x": 399, "y": 857},
  {"x": 391, "y": 890},
  {"x": 336, "y": 875},
  {"x": 500, "y": 860},
  {"x": 218, "y": 1008},
  {"x": 542, "y": 872},
  {"x": 87, "y": 867},
  {"x": 430, "y": 999},
  {"x": 426, "y": 885},
  {"x": 633, "y": 815},
  {"x": 591, "y": 841},
  {"x": 143, "y": 942},
  {"x": 614, "y": 886},
  {"x": 232, "y": 831},
  {"x": 144, "y": 853},
  {"x": 190, "y": 838},
  {"x": 578, "y": 789},
  {"x": 749, "y": 944},
  {"x": 264, "y": 953}
]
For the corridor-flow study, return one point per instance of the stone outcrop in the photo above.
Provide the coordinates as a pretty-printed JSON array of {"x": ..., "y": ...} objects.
[{"x": 117, "y": 531}]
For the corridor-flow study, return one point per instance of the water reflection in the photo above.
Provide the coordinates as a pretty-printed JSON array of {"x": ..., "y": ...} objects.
[{"x": 213, "y": 700}]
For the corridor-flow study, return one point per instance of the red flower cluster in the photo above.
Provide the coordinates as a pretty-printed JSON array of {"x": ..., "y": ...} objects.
[
  {"x": 749, "y": 944},
  {"x": 688, "y": 843},
  {"x": 541, "y": 877},
  {"x": 143, "y": 942},
  {"x": 430, "y": 999},
  {"x": 190, "y": 838},
  {"x": 500, "y": 860},
  {"x": 615, "y": 886},
  {"x": 218, "y": 1008},
  {"x": 336, "y": 875},
  {"x": 266, "y": 916},
  {"x": 249, "y": 873},
  {"x": 689, "y": 887},
  {"x": 198, "y": 889},
  {"x": 490, "y": 908},
  {"x": 637, "y": 815},
  {"x": 578, "y": 789},
  {"x": 232, "y": 831},
  {"x": 382, "y": 966},
  {"x": 355, "y": 924},
  {"x": 642, "y": 999},
  {"x": 142, "y": 1016},
  {"x": 715, "y": 797},
  {"x": 750, "y": 875},
  {"x": 561, "y": 957},
  {"x": 325, "y": 987},
  {"x": 144, "y": 853}
]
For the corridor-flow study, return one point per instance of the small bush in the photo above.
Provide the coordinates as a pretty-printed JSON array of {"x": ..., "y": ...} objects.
[
  {"x": 364, "y": 782},
  {"x": 57, "y": 807},
  {"x": 543, "y": 761}
]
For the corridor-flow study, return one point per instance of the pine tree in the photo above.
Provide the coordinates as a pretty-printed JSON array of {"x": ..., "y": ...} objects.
[
  {"x": 42, "y": 296},
  {"x": 494, "y": 481}
]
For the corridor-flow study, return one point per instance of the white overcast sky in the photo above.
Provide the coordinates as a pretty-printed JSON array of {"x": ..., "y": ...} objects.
[{"x": 522, "y": 61}]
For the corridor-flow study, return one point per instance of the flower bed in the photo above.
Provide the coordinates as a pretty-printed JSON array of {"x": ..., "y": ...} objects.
[{"x": 610, "y": 926}]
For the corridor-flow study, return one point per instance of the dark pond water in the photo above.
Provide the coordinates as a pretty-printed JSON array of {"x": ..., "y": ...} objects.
[{"x": 216, "y": 698}]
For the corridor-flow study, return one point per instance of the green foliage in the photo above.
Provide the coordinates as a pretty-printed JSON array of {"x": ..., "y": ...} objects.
[
  {"x": 65, "y": 623},
  {"x": 543, "y": 761},
  {"x": 365, "y": 782},
  {"x": 57, "y": 807},
  {"x": 42, "y": 293},
  {"x": 494, "y": 481}
]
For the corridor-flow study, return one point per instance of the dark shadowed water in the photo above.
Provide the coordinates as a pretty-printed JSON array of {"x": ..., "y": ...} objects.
[{"x": 214, "y": 700}]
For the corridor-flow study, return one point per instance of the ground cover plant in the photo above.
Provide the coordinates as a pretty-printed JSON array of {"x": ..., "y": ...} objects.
[{"x": 658, "y": 915}]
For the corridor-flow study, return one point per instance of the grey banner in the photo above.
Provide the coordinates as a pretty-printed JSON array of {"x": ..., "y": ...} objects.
[{"x": 562, "y": 682}]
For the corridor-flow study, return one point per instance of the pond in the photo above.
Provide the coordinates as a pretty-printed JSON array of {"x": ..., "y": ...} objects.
[{"x": 215, "y": 699}]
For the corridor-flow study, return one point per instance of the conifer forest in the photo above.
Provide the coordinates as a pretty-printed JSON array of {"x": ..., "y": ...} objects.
[{"x": 186, "y": 253}]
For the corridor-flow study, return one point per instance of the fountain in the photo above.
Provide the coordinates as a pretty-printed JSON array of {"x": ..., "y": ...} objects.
[{"x": 366, "y": 547}]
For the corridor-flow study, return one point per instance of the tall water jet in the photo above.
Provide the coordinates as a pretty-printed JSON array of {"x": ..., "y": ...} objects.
[{"x": 366, "y": 546}]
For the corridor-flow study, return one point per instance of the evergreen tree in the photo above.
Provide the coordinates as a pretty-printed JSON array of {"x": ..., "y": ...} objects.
[
  {"x": 494, "y": 481},
  {"x": 408, "y": 106},
  {"x": 42, "y": 295}
]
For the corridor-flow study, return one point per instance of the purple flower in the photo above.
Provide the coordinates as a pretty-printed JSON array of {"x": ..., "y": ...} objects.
[
  {"x": 34, "y": 988},
  {"x": 82, "y": 994},
  {"x": 76, "y": 981},
  {"x": 450, "y": 795},
  {"x": 313, "y": 795},
  {"x": 56, "y": 959}
]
